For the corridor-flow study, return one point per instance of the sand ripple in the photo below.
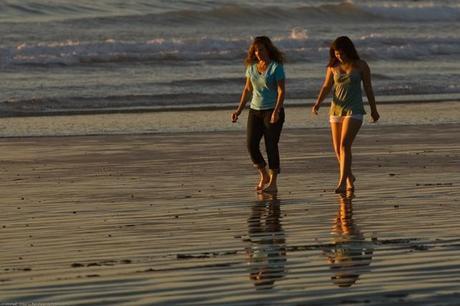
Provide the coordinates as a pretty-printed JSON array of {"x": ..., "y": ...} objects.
[{"x": 173, "y": 220}]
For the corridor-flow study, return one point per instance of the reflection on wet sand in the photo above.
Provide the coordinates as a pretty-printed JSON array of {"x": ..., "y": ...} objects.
[
  {"x": 350, "y": 255},
  {"x": 267, "y": 249}
]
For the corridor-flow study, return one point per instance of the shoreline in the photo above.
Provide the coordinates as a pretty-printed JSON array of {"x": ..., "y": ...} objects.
[
  {"x": 392, "y": 114},
  {"x": 290, "y": 103},
  {"x": 191, "y": 133}
]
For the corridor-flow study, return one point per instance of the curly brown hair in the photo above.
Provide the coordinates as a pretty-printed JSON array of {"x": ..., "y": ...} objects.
[{"x": 273, "y": 53}]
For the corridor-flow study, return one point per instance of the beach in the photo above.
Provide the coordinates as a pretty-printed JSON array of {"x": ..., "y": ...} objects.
[
  {"x": 126, "y": 183},
  {"x": 173, "y": 219}
]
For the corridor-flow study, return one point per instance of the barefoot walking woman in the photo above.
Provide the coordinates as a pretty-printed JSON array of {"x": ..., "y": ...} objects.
[
  {"x": 265, "y": 79},
  {"x": 346, "y": 71}
]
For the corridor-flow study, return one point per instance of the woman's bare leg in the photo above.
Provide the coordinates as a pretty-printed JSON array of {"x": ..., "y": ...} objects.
[
  {"x": 272, "y": 186},
  {"x": 350, "y": 128},
  {"x": 336, "y": 131},
  {"x": 264, "y": 178}
]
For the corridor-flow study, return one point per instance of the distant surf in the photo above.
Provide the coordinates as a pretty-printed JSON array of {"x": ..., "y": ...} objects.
[
  {"x": 83, "y": 57},
  {"x": 297, "y": 45},
  {"x": 230, "y": 12}
]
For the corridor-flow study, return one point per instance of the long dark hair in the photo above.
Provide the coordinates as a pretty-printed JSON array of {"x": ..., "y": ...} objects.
[
  {"x": 344, "y": 45},
  {"x": 273, "y": 53}
]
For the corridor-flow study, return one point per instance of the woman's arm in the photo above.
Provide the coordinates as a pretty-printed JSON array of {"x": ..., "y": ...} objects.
[
  {"x": 243, "y": 100},
  {"x": 280, "y": 100},
  {"x": 325, "y": 89},
  {"x": 366, "y": 75}
]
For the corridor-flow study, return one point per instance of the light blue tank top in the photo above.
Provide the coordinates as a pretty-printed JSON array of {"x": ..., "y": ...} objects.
[
  {"x": 265, "y": 85},
  {"x": 348, "y": 97}
]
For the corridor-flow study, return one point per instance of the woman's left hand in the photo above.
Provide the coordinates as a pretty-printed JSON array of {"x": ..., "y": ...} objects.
[
  {"x": 375, "y": 116},
  {"x": 275, "y": 117}
]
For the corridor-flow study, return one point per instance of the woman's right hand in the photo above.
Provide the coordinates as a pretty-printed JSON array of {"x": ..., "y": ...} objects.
[
  {"x": 315, "y": 109},
  {"x": 235, "y": 116}
]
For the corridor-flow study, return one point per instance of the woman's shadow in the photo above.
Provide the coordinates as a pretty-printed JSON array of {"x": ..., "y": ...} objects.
[
  {"x": 266, "y": 254},
  {"x": 350, "y": 254}
]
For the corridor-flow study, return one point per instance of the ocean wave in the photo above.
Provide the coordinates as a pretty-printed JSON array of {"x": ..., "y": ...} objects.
[
  {"x": 36, "y": 9},
  {"x": 188, "y": 12},
  {"x": 109, "y": 104},
  {"x": 344, "y": 11},
  {"x": 428, "y": 11},
  {"x": 51, "y": 10},
  {"x": 161, "y": 102},
  {"x": 232, "y": 14},
  {"x": 297, "y": 45}
]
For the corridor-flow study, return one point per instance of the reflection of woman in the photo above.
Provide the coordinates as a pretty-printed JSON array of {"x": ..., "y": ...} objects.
[
  {"x": 267, "y": 252},
  {"x": 265, "y": 81},
  {"x": 350, "y": 255},
  {"x": 345, "y": 72}
]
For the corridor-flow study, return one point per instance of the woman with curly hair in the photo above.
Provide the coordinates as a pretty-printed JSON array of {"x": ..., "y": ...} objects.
[{"x": 265, "y": 80}]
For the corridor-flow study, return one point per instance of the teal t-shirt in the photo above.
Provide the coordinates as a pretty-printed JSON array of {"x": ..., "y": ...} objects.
[{"x": 265, "y": 85}]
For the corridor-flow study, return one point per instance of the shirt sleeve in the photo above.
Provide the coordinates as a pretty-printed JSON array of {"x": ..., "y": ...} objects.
[
  {"x": 248, "y": 72},
  {"x": 279, "y": 73}
]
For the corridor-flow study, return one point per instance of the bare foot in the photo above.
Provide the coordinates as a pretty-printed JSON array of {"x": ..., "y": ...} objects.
[
  {"x": 341, "y": 188},
  {"x": 350, "y": 183},
  {"x": 350, "y": 194},
  {"x": 270, "y": 189},
  {"x": 263, "y": 181}
]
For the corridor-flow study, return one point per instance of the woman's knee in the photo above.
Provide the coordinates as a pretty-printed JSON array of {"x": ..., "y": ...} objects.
[
  {"x": 271, "y": 146},
  {"x": 253, "y": 148},
  {"x": 345, "y": 146}
]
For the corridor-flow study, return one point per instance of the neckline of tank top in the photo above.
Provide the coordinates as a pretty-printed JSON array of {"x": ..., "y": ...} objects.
[
  {"x": 340, "y": 73},
  {"x": 266, "y": 69}
]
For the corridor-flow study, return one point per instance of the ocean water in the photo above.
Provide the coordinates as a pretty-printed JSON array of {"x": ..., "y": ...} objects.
[{"x": 67, "y": 56}]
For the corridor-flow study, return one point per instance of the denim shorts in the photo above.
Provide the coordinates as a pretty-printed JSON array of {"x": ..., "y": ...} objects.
[{"x": 339, "y": 119}]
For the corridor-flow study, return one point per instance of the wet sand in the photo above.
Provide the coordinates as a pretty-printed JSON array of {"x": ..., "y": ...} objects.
[{"x": 172, "y": 219}]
